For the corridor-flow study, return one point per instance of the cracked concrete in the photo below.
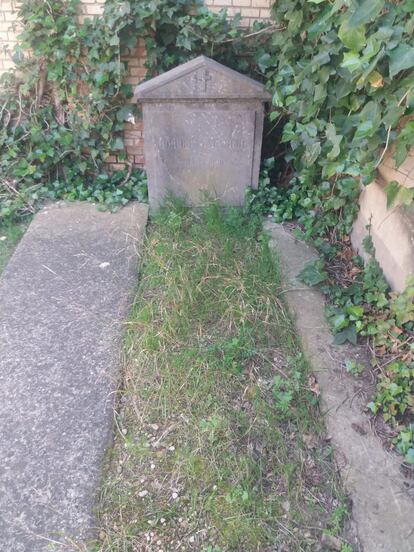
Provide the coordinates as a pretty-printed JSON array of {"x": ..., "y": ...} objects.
[{"x": 63, "y": 298}]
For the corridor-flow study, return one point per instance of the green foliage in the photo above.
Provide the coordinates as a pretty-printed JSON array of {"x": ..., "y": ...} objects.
[
  {"x": 405, "y": 443},
  {"x": 313, "y": 273},
  {"x": 63, "y": 110},
  {"x": 395, "y": 392},
  {"x": 354, "y": 368},
  {"x": 342, "y": 76}
]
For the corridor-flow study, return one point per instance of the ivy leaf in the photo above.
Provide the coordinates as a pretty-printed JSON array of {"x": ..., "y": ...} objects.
[
  {"x": 114, "y": 40},
  {"x": 365, "y": 12},
  {"x": 313, "y": 273},
  {"x": 365, "y": 129},
  {"x": 118, "y": 144},
  {"x": 376, "y": 80},
  {"x": 352, "y": 61},
  {"x": 125, "y": 8},
  {"x": 409, "y": 457},
  {"x": 264, "y": 62},
  {"x": 312, "y": 153},
  {"x": 401, "y": 58},
  {"x": 101, "y": 77},
  {"x": 352, "y": 38},
  {"x": 295, "y": 20},
  {"x": 355, "y": 311},
  {"x": 335, "y": 140},
  {"x": 391, "y": 191},
  {"x": 405, "y": 195},
  {"x": 123, "y": 114},
  {"x": 339, "y": 322},
  {"x": 348, "y": 334}
]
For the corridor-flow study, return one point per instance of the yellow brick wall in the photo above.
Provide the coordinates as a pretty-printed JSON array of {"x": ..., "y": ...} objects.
[
  {"x": 251, "y": 10},
  {"x": 8, "y": 31}
]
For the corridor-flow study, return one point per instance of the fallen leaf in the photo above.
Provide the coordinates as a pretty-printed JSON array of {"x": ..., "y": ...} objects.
[{"x": 313, "y": 385}]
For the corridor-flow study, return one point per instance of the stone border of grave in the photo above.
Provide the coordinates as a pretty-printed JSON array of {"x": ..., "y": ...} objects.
[{"x": 383, "y": 506}]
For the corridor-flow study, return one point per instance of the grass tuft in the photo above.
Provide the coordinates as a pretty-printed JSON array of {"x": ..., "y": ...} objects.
[{"x": 10, "y": 235}]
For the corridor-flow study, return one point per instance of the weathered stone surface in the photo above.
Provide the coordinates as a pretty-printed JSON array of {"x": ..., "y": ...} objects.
[
  {"x": 203, "y": 125},
  {"x": 392, "y": 232},
  {"x": 63, "y": 299},
  {"x": 382, "y": 498}
]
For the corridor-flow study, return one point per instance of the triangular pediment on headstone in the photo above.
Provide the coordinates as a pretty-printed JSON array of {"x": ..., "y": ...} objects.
[{"x": 201, "y": 79}]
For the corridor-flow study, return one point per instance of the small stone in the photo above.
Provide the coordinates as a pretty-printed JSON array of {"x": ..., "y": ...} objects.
[{"x": 104, "y": 265}]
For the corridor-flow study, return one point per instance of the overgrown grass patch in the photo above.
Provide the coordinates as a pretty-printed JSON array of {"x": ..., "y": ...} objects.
[
  {"x": 10, "y": 235},
  {"x": 219, "y": 442}
]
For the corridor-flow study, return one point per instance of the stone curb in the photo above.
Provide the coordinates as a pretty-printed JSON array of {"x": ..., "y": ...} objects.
[{"x": 383, "y": 506}]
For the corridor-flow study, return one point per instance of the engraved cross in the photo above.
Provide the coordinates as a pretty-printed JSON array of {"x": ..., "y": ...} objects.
[{"x": 201, "y": 81}]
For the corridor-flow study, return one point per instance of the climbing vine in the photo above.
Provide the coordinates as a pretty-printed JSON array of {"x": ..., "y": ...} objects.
[
  {"x": 64, "y": 107},
  {"x": 342, "y": 78}
]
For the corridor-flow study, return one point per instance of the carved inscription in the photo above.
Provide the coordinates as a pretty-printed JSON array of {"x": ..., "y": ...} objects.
[
  {"x": 200, "y": 81},
  {"x": 172, "y": 143}
]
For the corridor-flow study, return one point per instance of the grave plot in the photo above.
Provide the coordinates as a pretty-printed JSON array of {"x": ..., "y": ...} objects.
[{"x": 219, "y": 444}]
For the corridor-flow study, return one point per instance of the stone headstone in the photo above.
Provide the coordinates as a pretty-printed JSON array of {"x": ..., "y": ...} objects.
[{"x": 203, "y": 126}]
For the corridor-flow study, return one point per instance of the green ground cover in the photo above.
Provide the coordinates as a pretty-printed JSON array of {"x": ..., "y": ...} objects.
[
  {"x": 219, "y": 443},
  {"x": 10, "y": 235}
]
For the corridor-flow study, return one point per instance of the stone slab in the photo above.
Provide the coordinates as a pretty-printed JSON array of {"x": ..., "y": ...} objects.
[
  {"x": 202, "y": 151},
  {"x": 392, "y": 232},
  {"x": 383, "y": 500},
  {"x": 203, "y": 127},
  {"x": 63, "y": 298}
]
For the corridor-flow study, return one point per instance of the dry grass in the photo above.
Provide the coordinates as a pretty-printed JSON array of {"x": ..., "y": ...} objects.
[{"x": 219, "y": 444}]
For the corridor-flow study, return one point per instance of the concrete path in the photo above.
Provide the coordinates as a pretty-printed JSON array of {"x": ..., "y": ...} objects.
[
  {"x": 63, "y": 298},
  {"x": 383, "y": 500}
]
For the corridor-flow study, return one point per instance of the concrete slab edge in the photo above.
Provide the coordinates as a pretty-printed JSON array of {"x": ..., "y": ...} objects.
[{"x": 383, "y": 505}]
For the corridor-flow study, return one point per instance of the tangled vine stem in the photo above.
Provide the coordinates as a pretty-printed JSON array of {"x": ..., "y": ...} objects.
[{"x": 389, "y": 131}]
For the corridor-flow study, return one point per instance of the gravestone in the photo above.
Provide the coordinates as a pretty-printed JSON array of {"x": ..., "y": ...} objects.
[{"x": 203, "y": 126}]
